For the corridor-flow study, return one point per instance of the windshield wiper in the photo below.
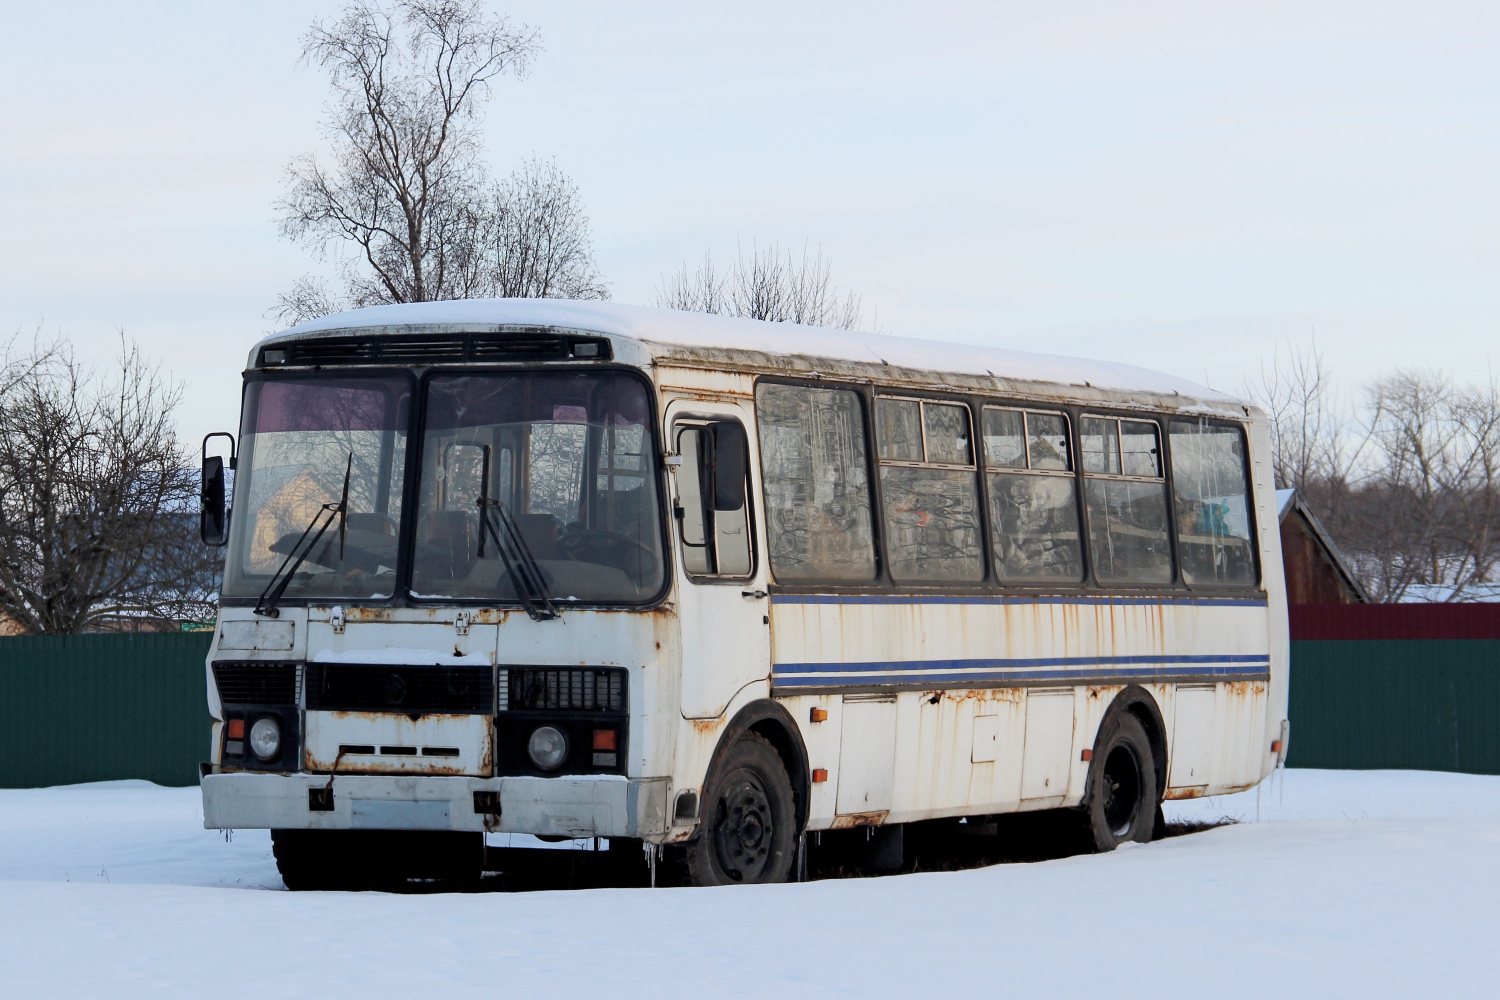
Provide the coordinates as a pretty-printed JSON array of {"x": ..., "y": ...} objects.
[
  {"x": 266, "y": 606},
  {"x": 525, "y": 575}
]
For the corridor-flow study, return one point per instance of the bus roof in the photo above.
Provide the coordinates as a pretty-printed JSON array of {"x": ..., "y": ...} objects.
[{"x": 669, "y": 334}]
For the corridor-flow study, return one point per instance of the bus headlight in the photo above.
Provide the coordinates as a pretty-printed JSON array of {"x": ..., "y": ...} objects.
[
  {"x": 548, "y": 748},
  {"x": 265, "y": 738}
]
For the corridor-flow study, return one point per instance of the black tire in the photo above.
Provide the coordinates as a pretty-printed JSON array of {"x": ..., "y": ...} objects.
[
  {"x": 373, "y": 859},
  {"x": 318, "y": 859},
  {"x": 1122, "y": 797},
  {"x": 748, "y": 832}
]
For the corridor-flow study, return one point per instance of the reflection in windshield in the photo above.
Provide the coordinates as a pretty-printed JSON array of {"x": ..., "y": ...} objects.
[
  {"x": 298, "y": 438},
  {"x": 568, "y": 455}
]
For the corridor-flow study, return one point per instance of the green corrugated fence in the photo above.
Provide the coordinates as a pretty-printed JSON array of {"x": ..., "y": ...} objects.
[
  {"x": 1425, "y": 704},
  {"x": 96, "y": 707}
]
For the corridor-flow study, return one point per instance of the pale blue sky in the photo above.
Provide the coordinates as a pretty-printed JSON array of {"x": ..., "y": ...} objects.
[{"x": 1179, "y": 185}]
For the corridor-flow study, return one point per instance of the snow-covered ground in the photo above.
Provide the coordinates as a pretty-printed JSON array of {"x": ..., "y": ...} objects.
[{"x": 1352, "y": 884}]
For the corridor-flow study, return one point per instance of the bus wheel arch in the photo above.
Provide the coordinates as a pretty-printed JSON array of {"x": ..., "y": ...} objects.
[
  {"x": 758, "y": 772},
  {"x": 773, "y": 723},
  {"x": 1138, "y": 702},
  {"x": 1133, "y": 717}
]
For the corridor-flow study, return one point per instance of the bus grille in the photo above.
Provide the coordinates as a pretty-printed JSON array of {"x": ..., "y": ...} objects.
[
  {"x": 256, "y": 683},
  {"x": 359, "y": 687},
  {"x": 563, "y": 689},
  {"x": 428, "y": 349}
]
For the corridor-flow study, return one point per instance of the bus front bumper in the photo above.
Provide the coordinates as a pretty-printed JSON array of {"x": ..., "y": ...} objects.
[{"x": 563, "y": 807}]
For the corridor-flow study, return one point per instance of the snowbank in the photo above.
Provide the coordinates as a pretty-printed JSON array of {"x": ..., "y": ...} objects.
[{"x": 1367, "y": 884}]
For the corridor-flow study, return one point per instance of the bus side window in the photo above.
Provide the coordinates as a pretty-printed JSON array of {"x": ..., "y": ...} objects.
[
  {"x": 712, "y": 506},
  {"x": 1212, "y": 503},
  {"x": 1033, "y": 511},
  {"x": 1127, "y": 501},
  {"x": 816, "y": 483},
  {"x": 929, "y": 496}
]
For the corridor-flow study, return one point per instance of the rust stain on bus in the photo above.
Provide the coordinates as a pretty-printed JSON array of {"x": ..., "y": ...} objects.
[
  {"x": 850, "y": 820},
  {"x": 1191, "y": 792},
  {"x": 359, "y": 614},
  {"x": 980, "y": 695},
  {"x": 705, "y": 727},
  {"x": 393, "y": 764}
]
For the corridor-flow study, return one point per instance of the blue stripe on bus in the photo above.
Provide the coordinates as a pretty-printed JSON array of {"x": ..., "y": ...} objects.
[
  {"x": 1236, "y": 602},
  {"x": 1070, "y": 677},
  {"x": 1076, "y": 669},
  {"x": 1262, "y": 659}
]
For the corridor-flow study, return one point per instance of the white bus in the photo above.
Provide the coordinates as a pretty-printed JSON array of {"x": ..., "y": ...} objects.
[{"x": 710, "y": 586}]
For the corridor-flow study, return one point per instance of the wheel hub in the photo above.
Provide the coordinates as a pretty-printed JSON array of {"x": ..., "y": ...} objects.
[
  {"x": 1122, "y": 790},
  {"x": 743, "y": 828}
]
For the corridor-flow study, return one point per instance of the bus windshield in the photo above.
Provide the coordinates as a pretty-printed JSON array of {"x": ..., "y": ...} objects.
[
  {"x": 565, "y": 460},
  {"x": 560, "y": 459},
  {"x": 298, "y": 439}
]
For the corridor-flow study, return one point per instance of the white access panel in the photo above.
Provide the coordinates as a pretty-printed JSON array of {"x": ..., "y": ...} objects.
[
  {"x": 986, "y": 739},
  {"x": 867, "y": 754},
  {"x": 1192, "y": 748},
  {"x": 1049, "y": 745}
]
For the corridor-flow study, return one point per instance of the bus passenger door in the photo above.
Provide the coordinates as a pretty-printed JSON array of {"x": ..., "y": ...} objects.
[{"x": 722, "y": 601}]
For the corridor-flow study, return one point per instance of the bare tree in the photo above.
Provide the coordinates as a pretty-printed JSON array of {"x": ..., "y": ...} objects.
[
  {"x": 97, "y": 499},
  {"x": 533, "y": 242},
  {"x": 1409, "y": 489},
  {"x": 308, "y": 298},
  {"x": 767, "y": 285},
  {"x": 1307, "y": 421},
  {"x": 407, "y": 189},
  {"x": 1427, "y": 515}
]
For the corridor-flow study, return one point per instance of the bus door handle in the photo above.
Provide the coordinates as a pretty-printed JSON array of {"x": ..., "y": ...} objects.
[{"x": 754, "y": 594}]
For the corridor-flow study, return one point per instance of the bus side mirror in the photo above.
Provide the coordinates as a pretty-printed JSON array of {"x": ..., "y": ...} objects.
[
  {"x": 213, "y": 517},
  {"x": 727, "y": 465}
]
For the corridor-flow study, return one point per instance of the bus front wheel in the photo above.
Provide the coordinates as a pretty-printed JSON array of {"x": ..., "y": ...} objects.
[
  {"x": 1122, "y": 793},
  {"x": 369, "y": 859},
  {"x": 749, "y": 817}
]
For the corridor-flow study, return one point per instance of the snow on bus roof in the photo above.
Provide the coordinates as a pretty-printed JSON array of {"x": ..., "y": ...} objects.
[{"x": 674, "y": 328}]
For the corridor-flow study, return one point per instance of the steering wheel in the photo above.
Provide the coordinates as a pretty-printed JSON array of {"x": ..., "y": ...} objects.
[{"x": 610, "y": 548}]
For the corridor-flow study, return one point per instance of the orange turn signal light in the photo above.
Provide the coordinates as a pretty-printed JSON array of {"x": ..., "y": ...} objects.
[
  {"x": 236, "y": 729},
  {"x": 820, "y": 774},
  {"x": 818, "y": 715},
  {"x": 1276, "y": 746},
  {"x": 604, "y": 739},
  {"x": 1086, "y": 755}
]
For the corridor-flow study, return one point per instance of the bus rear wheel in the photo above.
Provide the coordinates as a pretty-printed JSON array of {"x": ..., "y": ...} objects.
[
  {"x": 749, "y": 816},
  {"x": 1122, "y": 793}
]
